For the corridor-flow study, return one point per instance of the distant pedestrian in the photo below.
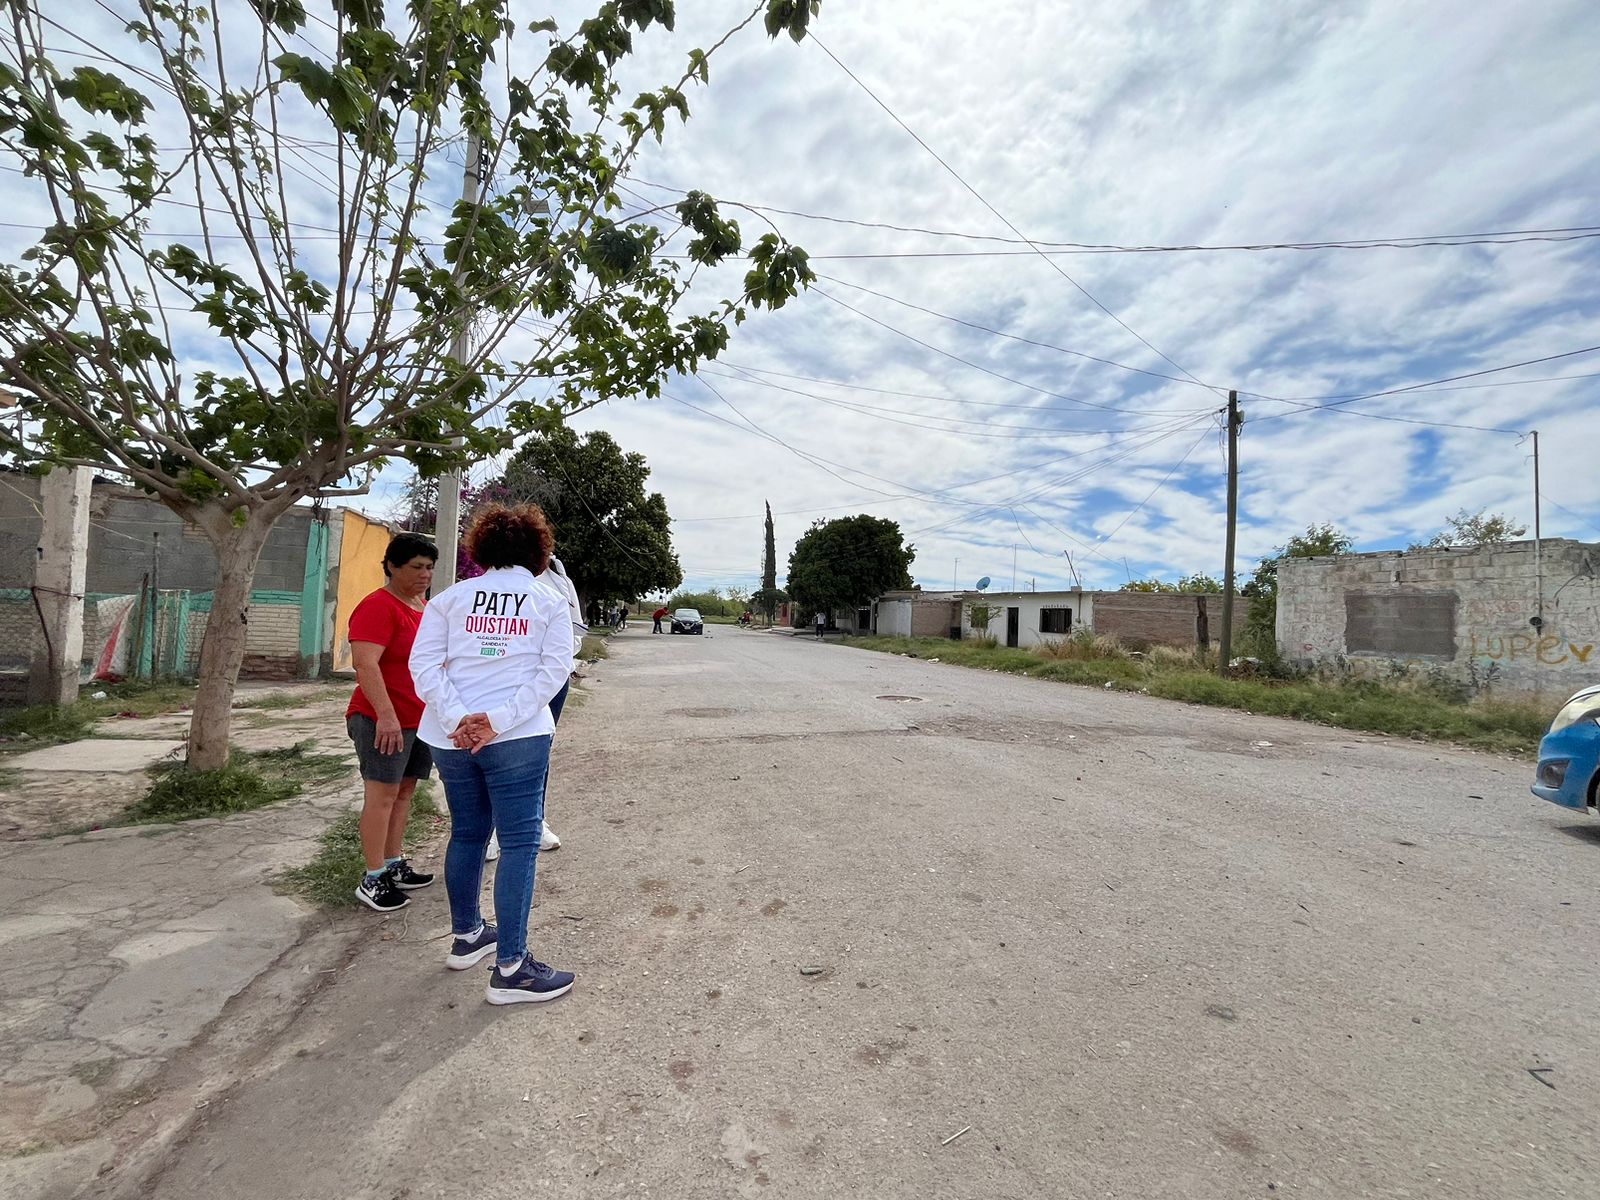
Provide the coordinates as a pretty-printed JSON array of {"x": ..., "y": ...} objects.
[
  {"x": 594, "y": 613},
  {"x": 383, "y": 717},
  {"x": 658, "y": 616},
  {"x": 490, "y": 656},
  {"x": 822, "y": 623}
]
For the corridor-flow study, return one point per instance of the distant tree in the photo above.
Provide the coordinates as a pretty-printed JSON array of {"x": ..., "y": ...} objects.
[
  {"x": 846, "y": 562},
  {"x": 767, "y": 597},
  {"x": 1473, "y": 529},
  {"x": 1261, "y": 628},
  {"x": 1189, "y": 584},
  {"x": 614, "y": 538}
]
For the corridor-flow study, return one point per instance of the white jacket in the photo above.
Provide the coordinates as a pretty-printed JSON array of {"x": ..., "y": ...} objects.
[
  {"x": 499, "y": 644},
  {"x": 556, "y": 577}
]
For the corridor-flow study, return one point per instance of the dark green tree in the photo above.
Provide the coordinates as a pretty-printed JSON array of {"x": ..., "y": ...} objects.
[
  {"x": 296, "y": 332},
  {"x": 846, "y": 562},
  {"x": 768, "y": 596},
  {"x": 1188, "y": 585},
  {"x": 613, "y": 536},
  {"x": 1261, "y": 627}
]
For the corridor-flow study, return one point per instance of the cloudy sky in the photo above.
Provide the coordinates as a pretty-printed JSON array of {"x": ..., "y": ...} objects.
[
  {"x": 1009, "y": 402},
  {"x": 1134, "y": 125}
]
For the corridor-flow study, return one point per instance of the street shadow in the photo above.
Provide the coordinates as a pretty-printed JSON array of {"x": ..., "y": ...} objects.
[{"x": 1582, "y": 833}]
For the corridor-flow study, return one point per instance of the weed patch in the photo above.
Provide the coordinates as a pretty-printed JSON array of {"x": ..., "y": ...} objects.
[
  {"x": 329, "y": 880},
  {"x": 1403, "y": 709},
  {"x": 44, "y": 725},
  {"x": 593, "y": 649},
  {"x": 248, "y": 781}
]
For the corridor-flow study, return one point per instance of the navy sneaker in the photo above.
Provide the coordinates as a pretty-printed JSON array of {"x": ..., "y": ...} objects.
[
  {"x": 530, "y": 983},
  {"x": 470, "y": 951},
  {"x": 406, "y": 879},
  {"x": 379, "y": 893}
]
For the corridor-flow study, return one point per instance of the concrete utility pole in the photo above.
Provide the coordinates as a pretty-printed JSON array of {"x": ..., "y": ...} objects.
[
  {"x": 447, "y": 528},
  {"x": 59, "y": 572},
  {"x": 1225, "y": 642},
  {"x": 1538, "y": 540}
]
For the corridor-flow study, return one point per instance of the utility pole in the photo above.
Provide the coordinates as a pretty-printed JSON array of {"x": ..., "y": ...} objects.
[
  {"x": 1013, "y": 566},
  {"x": 59, "y": 571},
  {"x": 1225, "y": 655},
  {"x": 447, "y": 528},
  {"x": 1538, "y": 541},
  {"x": 955, "y": 577}
]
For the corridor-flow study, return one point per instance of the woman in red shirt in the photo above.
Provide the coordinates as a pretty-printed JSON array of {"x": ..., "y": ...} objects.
[{"x": 383, "y": 716}]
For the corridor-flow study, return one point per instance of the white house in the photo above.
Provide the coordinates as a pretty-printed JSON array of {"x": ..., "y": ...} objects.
[{"x": 1026, "y": 618}]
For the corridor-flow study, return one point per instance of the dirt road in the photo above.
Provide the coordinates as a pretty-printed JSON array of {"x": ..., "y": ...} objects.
[{"x": 829, "y": 909}]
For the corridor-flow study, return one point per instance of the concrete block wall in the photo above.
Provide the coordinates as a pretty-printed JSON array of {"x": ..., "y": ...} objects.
[
  {"x": 123, "y": 550},
  {"x": 132, "y": 536},
  {"x": 1495, "y": 592},
  {"x": 272, "y": 638},
  {"x": 1164, "y": 618}
]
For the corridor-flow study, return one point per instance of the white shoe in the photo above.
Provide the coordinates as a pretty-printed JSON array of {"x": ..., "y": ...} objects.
[
  {"x": 548, "y": 839},
  {"x": 493, "y": 852}
]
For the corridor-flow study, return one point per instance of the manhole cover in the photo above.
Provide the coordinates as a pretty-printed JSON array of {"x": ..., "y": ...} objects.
[
  {"x": 902, "y": 699},
  {"x": 703, "y": 712}
]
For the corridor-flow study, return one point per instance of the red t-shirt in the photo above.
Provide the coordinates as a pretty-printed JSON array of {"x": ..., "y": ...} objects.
[{"x": 391, "y": 623}]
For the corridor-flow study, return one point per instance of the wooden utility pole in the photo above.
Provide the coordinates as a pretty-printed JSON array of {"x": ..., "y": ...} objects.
[
  {"x": 1538, "y": 539},
  {"x": 447, "y": 526},
  {"x": 1225, "y": 642}
]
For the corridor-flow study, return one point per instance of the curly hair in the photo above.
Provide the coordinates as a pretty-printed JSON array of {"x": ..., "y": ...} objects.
[{"x": 511, "y": 536}]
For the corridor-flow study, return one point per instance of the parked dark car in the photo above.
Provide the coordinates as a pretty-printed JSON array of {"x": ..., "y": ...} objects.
[
  {"x": 1569, "y": 756},
  {"x": 687, "y": 620}
]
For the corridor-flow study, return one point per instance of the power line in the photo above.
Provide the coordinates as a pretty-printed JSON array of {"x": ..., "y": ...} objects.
[
  {"x": 1336, "y": 402},
  {"x": 871, "y": 410},
  {"x": 1395, "y": 242},
  {"x": 1055, "y": 266},
  {"x": 967, "y": 362},
  {"x": 1011, "y": 336}
]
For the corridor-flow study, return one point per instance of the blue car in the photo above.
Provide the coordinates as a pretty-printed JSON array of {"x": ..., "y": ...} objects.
[{"x": 1569, "y": 755}]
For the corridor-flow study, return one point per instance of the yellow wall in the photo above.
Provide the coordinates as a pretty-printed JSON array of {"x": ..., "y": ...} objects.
[{"x": 360, "y": 574}]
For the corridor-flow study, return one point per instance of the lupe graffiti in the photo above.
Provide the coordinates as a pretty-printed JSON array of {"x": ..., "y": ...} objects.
[{"x": 1547, "y": 651}]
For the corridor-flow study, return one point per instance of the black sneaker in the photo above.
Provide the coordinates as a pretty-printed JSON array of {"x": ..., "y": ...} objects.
[
  {"x": 470, "y": 951},
  {"x": 378, "y": 892},
  {"x": 406, "y": 879},
  {"x": 532, "y": 982}
]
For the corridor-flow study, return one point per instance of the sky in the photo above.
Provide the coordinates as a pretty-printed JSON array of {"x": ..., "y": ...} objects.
[
  {"x": 1051, "y": 418},
  {"x": 1138, "y": 124}
]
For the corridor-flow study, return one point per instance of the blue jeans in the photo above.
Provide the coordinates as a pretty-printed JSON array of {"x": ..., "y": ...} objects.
[
  {"x": 499, "y": 788},
  {"x": 559, "y": 702}
]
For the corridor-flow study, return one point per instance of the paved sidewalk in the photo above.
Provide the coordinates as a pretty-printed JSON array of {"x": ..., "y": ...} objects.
[{"x": 126, "y": 949}]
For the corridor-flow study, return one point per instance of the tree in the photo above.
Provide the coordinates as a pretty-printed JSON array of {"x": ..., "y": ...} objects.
[
  {"x": 1261, "y": 627},
  {"x": 768, "y": 595},
  {"x": 1473, "y": 529},
  {"x": 846, "y": 562},
  {"x": 297, "y": 335},
  {"x": 1189, "y": 585},
  {"x": 614, "y": 537}
]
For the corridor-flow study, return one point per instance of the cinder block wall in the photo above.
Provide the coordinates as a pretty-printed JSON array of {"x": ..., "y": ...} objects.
[
  {"x": 1465, "y": 612},
  {"x": 934, "y": 618},
  {"x": 123, "y": 552},
  {"x": 1162, "y": 617}
]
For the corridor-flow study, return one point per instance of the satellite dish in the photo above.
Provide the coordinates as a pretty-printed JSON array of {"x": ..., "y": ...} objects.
[{"x": 983, "y": 583}]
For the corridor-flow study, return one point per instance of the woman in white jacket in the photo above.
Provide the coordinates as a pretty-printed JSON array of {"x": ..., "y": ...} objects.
[{"x": 491, "y": 654}]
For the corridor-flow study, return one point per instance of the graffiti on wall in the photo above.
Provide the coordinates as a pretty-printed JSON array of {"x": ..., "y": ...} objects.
[{"x": 1547, "y": 651}]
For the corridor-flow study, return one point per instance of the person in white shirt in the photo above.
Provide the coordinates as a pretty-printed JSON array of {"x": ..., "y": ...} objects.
[
  {"x": 556, "y": 578},
  {"x": 489, "y": 657}
]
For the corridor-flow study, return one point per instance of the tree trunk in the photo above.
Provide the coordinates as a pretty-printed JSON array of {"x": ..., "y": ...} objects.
[{"x": 238, "y": 549}]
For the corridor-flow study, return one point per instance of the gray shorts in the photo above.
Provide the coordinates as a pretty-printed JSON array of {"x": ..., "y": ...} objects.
[{"x": 414, "y": 760}]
